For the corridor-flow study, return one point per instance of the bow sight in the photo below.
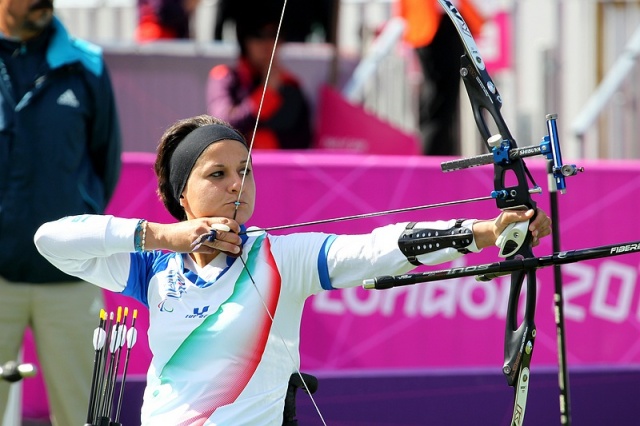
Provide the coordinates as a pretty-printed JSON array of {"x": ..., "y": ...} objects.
[{"x": 502, "y": 152}]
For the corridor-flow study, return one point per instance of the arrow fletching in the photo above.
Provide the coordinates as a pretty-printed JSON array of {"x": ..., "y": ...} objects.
[{"x": 99, "y": 337}]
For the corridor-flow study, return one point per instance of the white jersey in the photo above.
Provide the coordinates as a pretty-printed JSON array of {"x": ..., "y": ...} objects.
[{"x": 224, "y": 337}]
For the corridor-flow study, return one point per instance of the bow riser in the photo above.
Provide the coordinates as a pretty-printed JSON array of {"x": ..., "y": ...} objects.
[{"x": 484, "y": 97}]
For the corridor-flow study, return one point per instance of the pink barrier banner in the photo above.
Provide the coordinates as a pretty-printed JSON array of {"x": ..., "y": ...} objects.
[
  {"x": 453, "y": 324},
  {"x": 343, "y": 126},
  {"x": 438, "y": 324}
]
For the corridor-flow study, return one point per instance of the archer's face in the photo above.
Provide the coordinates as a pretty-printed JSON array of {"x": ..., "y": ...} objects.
[{"x": 214, "y": 183}]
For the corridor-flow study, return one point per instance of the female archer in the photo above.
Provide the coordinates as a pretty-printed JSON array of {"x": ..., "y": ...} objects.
[{"x": 225, "y": 301}]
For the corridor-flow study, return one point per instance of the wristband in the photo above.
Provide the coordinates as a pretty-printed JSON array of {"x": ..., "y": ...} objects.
[{"x": 140, "y": 236}]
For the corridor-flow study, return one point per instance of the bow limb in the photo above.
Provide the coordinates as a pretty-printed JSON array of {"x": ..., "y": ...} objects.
[{"x": 519, "y": 340}]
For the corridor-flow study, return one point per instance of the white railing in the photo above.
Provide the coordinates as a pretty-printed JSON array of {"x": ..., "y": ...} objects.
[
  {"x": 619, "y": 105},
  {"x": 375, "y": 83}
]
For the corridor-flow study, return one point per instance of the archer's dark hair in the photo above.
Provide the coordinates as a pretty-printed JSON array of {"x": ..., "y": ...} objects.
[{"x": 168, "y": 143}]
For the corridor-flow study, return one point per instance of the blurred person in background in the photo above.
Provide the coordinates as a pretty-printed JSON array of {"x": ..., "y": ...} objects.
[
  {"x": 303, "y": 19},
  {"x": 234, "y": 92},
  {"x": 59, "y": 156},
  {"x": 438, "y": 47},
  {"x": 164, "y": 19}
]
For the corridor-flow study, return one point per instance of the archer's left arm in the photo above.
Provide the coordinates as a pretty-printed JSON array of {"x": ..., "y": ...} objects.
[
  {"x": 352, "y": 258},
  {"x": 381, "y": 252}
]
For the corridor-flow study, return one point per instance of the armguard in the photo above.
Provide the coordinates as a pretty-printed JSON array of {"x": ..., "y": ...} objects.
[{"x": 414, "y": 242}]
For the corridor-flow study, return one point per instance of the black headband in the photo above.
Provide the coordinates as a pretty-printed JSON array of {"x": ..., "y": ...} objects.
[{"x": 189, "y": 150}]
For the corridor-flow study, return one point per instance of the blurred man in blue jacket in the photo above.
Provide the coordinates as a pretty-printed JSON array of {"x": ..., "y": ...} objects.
[{"x": 59, "y": 155}]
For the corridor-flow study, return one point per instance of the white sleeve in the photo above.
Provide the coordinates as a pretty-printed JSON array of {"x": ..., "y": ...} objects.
[
  {"x": 91, "y": 247},
  {"x": 353, "y": 258}
]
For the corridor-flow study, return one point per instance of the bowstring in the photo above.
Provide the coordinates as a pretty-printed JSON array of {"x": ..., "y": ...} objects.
[{"x": 237, "y": 205}]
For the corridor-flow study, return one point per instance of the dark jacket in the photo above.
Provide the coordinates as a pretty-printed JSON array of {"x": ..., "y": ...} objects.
[{"x": 59, "y": 144}]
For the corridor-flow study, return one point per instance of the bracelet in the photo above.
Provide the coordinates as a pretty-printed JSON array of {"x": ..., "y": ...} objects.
[{"x": 140, "y": 236}]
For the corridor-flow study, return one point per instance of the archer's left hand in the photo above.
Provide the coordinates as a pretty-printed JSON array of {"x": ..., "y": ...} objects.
[
  {"x": 487, "y": 231},
  {"x": 540, "y": 227}
]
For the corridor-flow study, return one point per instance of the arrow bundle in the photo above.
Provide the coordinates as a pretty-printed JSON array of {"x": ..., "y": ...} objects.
[{"x": 108, "y": 342}]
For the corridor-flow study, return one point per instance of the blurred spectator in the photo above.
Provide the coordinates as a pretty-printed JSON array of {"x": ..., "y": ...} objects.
[
  {"x": 164, "y": 19},
  {"x": 302, "y": 18},
  {"x": 438, "y": 47},
  {"x": 59, "y": 156},
  {"x": 234, "y": 92}
]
